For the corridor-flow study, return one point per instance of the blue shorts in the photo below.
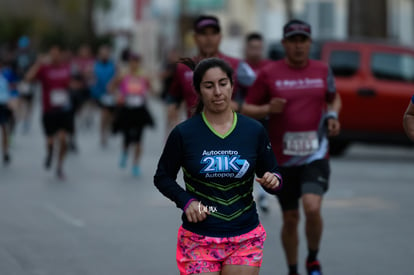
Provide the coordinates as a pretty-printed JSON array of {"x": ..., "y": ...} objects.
[{"x": 14, "y": 94}]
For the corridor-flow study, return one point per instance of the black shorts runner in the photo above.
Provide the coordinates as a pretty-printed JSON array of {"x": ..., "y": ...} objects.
[
  {"x": 131, "y": 121},
  {"x": 5, "y": 114},
  {"x": 55, "y": 121},
  {"x": 27, "y": 97},
  {"x": 312, "y": 178}
]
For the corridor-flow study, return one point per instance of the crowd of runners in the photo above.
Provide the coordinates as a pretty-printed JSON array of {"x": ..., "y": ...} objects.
[
  {"x": 243, "y": 115},
  {"x": 72, "y": 87},
  {"x": 244, "y": 118}
]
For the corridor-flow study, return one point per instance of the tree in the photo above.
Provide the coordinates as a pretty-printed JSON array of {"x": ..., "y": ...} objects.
[{"x": 91, "y": 6}]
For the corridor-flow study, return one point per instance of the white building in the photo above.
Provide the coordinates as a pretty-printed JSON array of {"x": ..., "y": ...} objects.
[{"x": 152, "y": 26}]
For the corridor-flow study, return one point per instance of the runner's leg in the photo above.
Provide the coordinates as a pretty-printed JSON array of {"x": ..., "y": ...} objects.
[
  {"x": 62, "y": 140},
  {"x": 314, "y": 223},
  {"x": 290, "y": 237}
]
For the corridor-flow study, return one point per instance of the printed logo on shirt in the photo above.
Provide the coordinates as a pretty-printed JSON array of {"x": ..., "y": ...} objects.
[
  {"x": 205, "y": 209},
  {"x": 58, "y": 73},
  {"x": 301, "y": 83},
  {"x": 223, "y": 164}
]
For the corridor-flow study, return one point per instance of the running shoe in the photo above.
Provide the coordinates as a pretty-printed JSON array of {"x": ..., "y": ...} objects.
[
  {"x": 123, "y": 160},
  {"x": 314, "y": 268},
  {"x": 6, "y": 159},
  {"x": 73, "y": 147},
  {"x": 136, "y": 171},
  {"x": 60, "y": 175},
  {"x": 48, "y": 161}
]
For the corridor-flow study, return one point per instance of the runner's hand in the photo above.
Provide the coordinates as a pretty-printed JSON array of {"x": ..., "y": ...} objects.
[
  {"x": 277, "y": 105},
  {"x": 196, "y": 212},
  {"x": 334, "y": 127},
  {"x": 269, "y": 181},
  {"x": 42, "y": 59}
]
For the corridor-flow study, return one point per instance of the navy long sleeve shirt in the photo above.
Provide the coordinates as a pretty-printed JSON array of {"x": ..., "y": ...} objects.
[{"x": 218, "y": 172}]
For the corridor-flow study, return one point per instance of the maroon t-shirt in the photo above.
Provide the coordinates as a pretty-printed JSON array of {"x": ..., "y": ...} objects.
[
  {"x": 298, "y": 134},
  {"x": 256, "y": 67},
  {"x": 182, "y": 85},
  {"x": 55, "y": 84}
]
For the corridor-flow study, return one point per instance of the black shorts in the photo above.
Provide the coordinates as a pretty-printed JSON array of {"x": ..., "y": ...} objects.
[
  {"x": 55, "y": 121},
  {"x": 5, "y": 114},
  {"x": 27, "y": 97},
  {"x": 312, "y": 178},
  {"x": 132, "y": 119},
  {"x": 108, "y": 107}
]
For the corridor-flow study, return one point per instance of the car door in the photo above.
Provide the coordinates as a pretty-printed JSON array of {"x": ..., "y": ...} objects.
[
  {"x": 348, "y": 62},
  {"x": 392, "y": 74}
]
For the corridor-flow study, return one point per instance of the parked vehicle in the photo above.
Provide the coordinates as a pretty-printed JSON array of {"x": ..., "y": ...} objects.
[{"x": 375, "y": 81}]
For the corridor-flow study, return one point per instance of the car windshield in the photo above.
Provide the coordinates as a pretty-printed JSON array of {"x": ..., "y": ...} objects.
[{"x": 393, "y": 66}]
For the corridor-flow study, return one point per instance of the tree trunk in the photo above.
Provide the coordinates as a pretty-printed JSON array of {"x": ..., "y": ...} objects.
[
  {"x": 368, "y": 18},
  {"x": 90, "y": 24},
  {"x": 289, "y": 9}
]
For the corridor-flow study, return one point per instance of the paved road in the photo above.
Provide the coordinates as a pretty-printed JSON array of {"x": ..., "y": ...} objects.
[{"x": 101, "y": 221}]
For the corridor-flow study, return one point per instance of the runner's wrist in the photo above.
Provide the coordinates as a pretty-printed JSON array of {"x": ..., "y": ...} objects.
[
  {"x": 279, "y": 177},
  {"x": 331, "y": 114},
  {"x": 267, "y": 110},
  {"x": 188, "y": 204}
]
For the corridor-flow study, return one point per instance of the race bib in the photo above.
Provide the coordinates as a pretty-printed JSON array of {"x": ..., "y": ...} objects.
[
  {"x": 108, "y": 100},
  {"x": 300, "y": 143},
  {"x": 59, "y": 98},
  {"x": 134, "y": 101}
]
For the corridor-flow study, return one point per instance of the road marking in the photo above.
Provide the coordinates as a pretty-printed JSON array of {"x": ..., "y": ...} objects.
[
  {"x": 363, "y": 203},
  {"x": 62, "y": 215}
]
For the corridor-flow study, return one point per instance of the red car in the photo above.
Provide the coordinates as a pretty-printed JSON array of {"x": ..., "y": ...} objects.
[{"x": 375, "y": 81}]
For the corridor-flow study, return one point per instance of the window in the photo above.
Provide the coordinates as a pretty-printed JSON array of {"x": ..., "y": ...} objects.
[
  {"x": 321, "y": 15},
  {"x": 393, "y": 66},
  {"x": 344, "y": 63}
]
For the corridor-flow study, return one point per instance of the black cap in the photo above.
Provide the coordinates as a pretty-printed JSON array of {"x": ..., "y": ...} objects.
[
  {"x": 296, "y": 27},
  {"x": 204, "y": 21}
]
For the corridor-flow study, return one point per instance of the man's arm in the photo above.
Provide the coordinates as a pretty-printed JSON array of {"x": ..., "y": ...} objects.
[
  {"x": 174, "y": 100},
  {"x": 334, "y": 105},
  {"x": 408, "y": 120},
  {"x": 258, "y": 104},
  {"x": 32, "y": 72}
]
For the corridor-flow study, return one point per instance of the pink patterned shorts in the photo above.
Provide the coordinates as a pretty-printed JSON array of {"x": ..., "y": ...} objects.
[{"x": 201, "y": 254}]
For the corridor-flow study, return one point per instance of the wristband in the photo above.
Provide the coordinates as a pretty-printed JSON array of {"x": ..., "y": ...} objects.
[
  {"x": 331, "y": 114},
  {"x": 188, "y": 204},
  {"x": 279, "y": 177}
]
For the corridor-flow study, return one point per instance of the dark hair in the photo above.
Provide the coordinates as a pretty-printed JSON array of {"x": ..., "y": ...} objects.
[
  {"x": 254, "y": 36},
  {"x": 200, "y": 69}
]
